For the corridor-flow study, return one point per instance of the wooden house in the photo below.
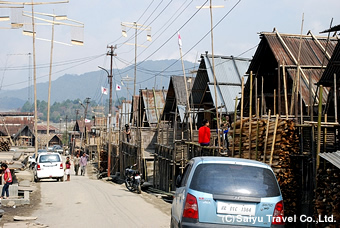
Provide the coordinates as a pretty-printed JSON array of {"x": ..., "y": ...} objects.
[
  {"x": 286, "y": 64},
  {"x": 229, "y": 71}
]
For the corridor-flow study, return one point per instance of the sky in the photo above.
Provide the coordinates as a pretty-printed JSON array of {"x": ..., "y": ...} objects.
[{"x": 236, "y": 33}]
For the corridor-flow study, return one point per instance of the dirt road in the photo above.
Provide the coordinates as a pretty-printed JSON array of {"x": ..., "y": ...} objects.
[{"x": 87, "y": 202}]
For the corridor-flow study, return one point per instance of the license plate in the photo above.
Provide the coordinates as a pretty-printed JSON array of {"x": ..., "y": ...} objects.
[
  {"x": 235, "y": 208},
  {"x": 137, "y": 177}
]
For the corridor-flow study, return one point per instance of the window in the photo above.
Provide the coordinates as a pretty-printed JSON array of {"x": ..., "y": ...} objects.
[
  {"x": 235, "y": 180},
  {"x": 49, "y": 158}
]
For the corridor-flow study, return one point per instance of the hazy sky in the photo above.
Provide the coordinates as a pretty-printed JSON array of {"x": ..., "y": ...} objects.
[{"x": 236, "y": 33}]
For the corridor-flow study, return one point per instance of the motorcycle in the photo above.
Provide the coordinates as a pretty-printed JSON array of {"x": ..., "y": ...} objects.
[{"x": 133, "y": 179}]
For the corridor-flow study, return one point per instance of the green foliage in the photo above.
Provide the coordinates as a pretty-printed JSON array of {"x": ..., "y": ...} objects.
[{"x": 59, "y": 110}]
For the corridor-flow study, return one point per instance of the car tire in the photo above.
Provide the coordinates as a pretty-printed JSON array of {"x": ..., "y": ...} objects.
[
  {"x": 61, "y": 179},
  {"x": 36, "y": 179}
]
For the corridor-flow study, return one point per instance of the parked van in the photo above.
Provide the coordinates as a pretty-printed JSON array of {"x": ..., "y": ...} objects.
[
  {"x": 227, "y": 192},
  {"x": 49, "y": 165}
]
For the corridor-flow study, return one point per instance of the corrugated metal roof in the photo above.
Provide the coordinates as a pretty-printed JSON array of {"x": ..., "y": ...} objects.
[
  {"x": 285, "y": 50},
  {"x": 333, "y": 67},
  {"x": 153, "y": 101},
  {"x": 229, "y": 71},
  {"x": 226, "y": 96},
  {"x": 332, "y": 157},
  {"x": 177, "y": 93},
  {"x": 179, "y": 87}
]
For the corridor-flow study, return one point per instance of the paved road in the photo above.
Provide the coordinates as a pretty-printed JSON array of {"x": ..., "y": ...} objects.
[{"x": 86, "y": 202}]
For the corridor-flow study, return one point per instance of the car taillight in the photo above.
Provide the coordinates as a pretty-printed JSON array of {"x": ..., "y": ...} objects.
[
  {"x": 278, "y": 214},
  {"x": 61, "y": 165},
  {"x": 38, "y": 167},
  {"x": 191, "y": 207}
]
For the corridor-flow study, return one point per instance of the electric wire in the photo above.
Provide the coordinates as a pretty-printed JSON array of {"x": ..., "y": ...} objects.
[
  {"x": 194, "y": 44},
  {"x": 59, "y": 71},
  {"x": 137, "y": 20}
]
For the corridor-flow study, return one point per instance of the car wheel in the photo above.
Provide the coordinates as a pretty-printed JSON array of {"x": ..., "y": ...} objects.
[
  {"x": 36, "y": 179},
  {"x": 172, "y": 223},
  {"x": 61, "y": 179}
]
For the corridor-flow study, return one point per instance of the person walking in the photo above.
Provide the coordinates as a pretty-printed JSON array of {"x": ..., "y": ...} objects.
[
  {"x": 67, "y": 168},
  {"x": 76, "y": 161},
  {"x": 7, "y": 179},
  {"x": 204, "y": 134},
  {"x": 83, "y": 163}
]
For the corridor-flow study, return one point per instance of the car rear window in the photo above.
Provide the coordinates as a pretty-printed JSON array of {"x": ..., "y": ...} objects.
[
  {"x": 49, "y": 158},
  {"x": 235, "y": 180}
]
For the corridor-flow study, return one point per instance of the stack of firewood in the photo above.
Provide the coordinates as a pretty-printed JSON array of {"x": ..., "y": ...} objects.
[
  {"x": 271, "y": 141},
  {"x": 328, "y": 194},
  {"x": 4, "y": 144}
]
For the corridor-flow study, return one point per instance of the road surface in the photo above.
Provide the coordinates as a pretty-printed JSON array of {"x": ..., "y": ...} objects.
[{"x": 87, "y": 202}]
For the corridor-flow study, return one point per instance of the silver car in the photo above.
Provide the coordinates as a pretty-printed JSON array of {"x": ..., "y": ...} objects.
[{"x": 227, "y": 192}]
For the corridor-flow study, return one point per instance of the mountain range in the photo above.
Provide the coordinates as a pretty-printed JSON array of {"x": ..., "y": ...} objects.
[{"x": 149, "y": 75}]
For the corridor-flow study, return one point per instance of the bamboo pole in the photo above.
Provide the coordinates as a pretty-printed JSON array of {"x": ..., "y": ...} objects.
[
  {"x": 279, "y": 88},
  {"x": 250, "y": 110},
  {"x": 285, "y": 88},
  {"x": 234, "y": 128},
  {"x": 262, "y": 99},
  {"x": 242, "y": 99},
  {"x": 325, "y": 135},
  {"x": 256, "y": 100},
  {"x": 266, "y": 138},
  {"x": 274, "y": 138},
  {"x": 274, "y": 101},
  {"x": 335, "y": 100},
  {"x": 319, "y": 128},
  {"x": 257, "y": 127}
]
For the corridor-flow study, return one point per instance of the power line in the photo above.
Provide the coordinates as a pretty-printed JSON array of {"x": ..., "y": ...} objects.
[
  {"x": 194, "y": 44},
  {"x": 17, "y": 83}
]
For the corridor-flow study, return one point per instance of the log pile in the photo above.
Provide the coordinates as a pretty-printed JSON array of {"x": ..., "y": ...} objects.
[
  {"x": 5, "y": 145},
  {"x": 272, "y": 140},
  {"x": 327, "y": 195}
]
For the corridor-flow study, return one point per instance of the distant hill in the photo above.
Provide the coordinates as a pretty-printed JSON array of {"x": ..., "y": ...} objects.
[{"x": 89, "y": 84}]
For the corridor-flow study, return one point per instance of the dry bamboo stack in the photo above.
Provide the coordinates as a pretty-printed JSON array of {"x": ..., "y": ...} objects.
[
  {"x": 4, "y": 144},
  {"x": 327, "y": 195},
  {"x": 272, "y": 141}
]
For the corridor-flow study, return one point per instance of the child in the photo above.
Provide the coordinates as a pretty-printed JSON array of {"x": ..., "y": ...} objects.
[
  {"x": 67, "y": 168},
  {"x": 7, "y": 180}
]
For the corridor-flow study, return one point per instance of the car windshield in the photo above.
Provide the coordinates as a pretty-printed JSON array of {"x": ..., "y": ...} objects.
[
  {"x": 49, "y": 158},
  {"x": 235, "y": 180}
]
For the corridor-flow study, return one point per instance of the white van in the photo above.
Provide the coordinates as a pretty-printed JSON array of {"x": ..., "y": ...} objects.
[{"x": 49, "y": 165}]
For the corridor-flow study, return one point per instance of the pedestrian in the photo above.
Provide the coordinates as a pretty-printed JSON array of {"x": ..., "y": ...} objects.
[
  {"x": 76, "y": 163},
  {"x": 7, "y": 179},
  {"x": 204, "y": 134},
  {"x": 67, "y": 168},
  {"x": 83, "y": 163},
  {"x": 127, "y": 132}
]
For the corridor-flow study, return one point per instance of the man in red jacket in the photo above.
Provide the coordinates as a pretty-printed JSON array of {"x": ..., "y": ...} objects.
[{"x": 204, "y": 134}]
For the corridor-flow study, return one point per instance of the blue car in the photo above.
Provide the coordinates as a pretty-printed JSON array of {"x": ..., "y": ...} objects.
[{"x": 227, "y": 192}]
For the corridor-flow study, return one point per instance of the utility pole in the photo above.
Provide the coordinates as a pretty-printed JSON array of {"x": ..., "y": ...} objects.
[
  {"x": 34, "y": 64},
  {"x": 87, "y": 105},
  {"x": 66, "y": 131},
  {"x": 136, "y": 27},
  {"x": 110, "y": 53},
  {"x": 213, "y": 69}
]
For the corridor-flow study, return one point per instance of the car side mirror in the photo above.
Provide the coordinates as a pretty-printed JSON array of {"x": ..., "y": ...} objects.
[{"x": 178, "y": 181}]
